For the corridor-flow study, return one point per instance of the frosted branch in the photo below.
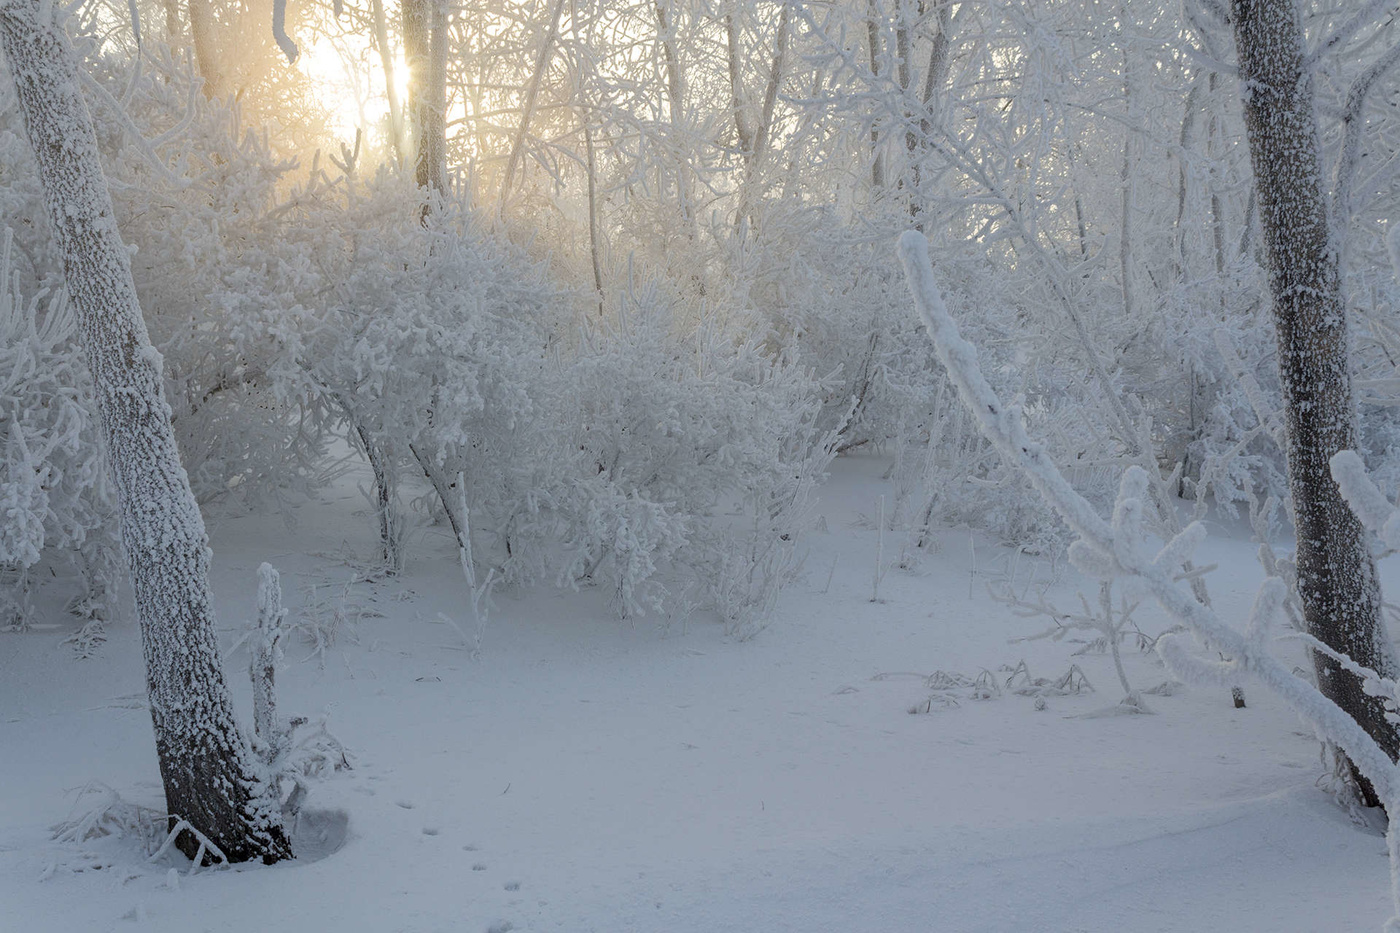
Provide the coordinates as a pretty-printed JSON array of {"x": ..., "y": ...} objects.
[
  {"x": 1099, "y": 545},
  {"x": 1364, "y": 498}
]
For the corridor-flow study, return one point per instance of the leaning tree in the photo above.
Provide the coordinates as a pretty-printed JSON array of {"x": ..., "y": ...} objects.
[
  {"x": 1337, "y": 580},
  {"x": 212, "y": 782}
]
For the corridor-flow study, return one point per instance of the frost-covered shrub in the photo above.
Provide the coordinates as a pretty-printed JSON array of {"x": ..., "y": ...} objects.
[
  {"x": 642, "y": 452},
  {"x": 54, "y": 497},
  {"x": 430, "y": 344},
  {"x": 696, "y": 443}
]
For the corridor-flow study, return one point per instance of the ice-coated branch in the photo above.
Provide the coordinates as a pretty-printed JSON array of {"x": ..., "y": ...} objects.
[
  {"x": 1101, "y": 552},
  {"x": 279, "y": 32},
  {"x": 1365, "y": 499},
  {"x": 266, "y": 650},
  {"x": 1370, "y": 13}
]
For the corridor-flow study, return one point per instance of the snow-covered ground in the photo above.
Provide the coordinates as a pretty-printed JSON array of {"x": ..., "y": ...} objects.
[{"x": 587, "y": 774}]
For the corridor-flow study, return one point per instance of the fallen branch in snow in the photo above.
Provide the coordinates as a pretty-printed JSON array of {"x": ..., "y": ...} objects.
[
  {"x": 1108, "y": 550},
  {"x": 206, "y": 847}
]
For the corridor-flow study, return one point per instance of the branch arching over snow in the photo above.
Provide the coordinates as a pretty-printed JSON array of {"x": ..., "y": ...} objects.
[{"x": 1115, "y": 550}]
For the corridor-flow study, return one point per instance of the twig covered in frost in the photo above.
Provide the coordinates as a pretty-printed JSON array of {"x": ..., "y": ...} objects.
[
  {"x": 879, "y": 556},
  {"x": 266, "y": 650},
  {"x": 1111, "y": 624},
  {"x": 1367, "y": 501},
  {"x": 1114, "y": 549},
  {"x": 206, "y": 847}
]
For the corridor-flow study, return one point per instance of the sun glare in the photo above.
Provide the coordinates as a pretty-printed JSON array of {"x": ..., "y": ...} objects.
[{"x": 349, "y": 86}]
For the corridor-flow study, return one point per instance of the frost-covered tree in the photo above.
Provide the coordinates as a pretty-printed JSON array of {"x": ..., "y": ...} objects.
[
  {"x": 211, "y": 780},
  {"x": 1336, "y": 574}
]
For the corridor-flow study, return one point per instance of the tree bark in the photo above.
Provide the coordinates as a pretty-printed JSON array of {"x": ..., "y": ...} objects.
[
  {"x": 675, "y": 98},
  {"x": 391, "y": 90},
  {"x": 872, "y": 35},
  {"x": 206, "y": 59},
  {"x": 425, "y": 52},
  {"x": 207, "y": 767},
  {"x": 1336, "y": 575}
]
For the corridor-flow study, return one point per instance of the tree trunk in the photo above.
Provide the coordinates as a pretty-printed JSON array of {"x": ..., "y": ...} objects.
[
  {"x": 207, "y": 767},
  {"x": 173, "y": 27},
  {"x": 1336, "y": 575},
  {"x": 675, "y": 98},
  {"x": 391, "y": 90},
  {"x": 872, "y": 35},
  {"x": 935, "y": 75},
  {"x": 425, "y": 53},
  {"x": 206, "y": 59}
]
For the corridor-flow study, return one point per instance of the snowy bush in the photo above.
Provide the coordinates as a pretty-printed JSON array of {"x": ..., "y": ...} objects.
[
  {"x": 54, "y": 497},
  {"x": 704, "y": 448}
]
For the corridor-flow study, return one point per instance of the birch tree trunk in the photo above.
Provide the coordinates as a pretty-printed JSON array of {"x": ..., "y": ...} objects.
[
  {"x": 205, "y": 762},
  {"x": 1336, "y": 575}
]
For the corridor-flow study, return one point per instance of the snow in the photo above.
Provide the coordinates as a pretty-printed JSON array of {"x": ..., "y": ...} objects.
[{"x": 591, "y": 774}]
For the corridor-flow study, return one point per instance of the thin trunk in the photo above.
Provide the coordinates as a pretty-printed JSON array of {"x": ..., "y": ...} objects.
[
  {"x": 593, "y": 245},
  {"x": 904, "y": 72},
  {"x": 742, "y": 130},
  {"x": 206, "y": 59},
  {"x": 210, "y": 775},
  {"x": 1125, "y": 239},
  {"x": 425, "y": 52},
  {"x": 173, "y": 27},
  {"x": 1187, "y": 136},
  {"x": 385, "y": 503},
  {"x": 872, "y": 35},
  {"x": 1125, "y": 179},
  {"x": 935, "y": 76},
  {"x": 262, "y": 664},
  {"x": 432, "y": 156},
  {"x": 1336, "y": 575},
  {"x": 1251, "y": 210},
  {"x": 527, "y": 108},
  {"x": 775, "y": 81},
  {"x": 391, "y": 89},
  {"x": 1217, "y": 210},
  {"x": 1083, "y": 228},
  {"x": 675, "y": 94},
  {"x": 764, "y": 130}
]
